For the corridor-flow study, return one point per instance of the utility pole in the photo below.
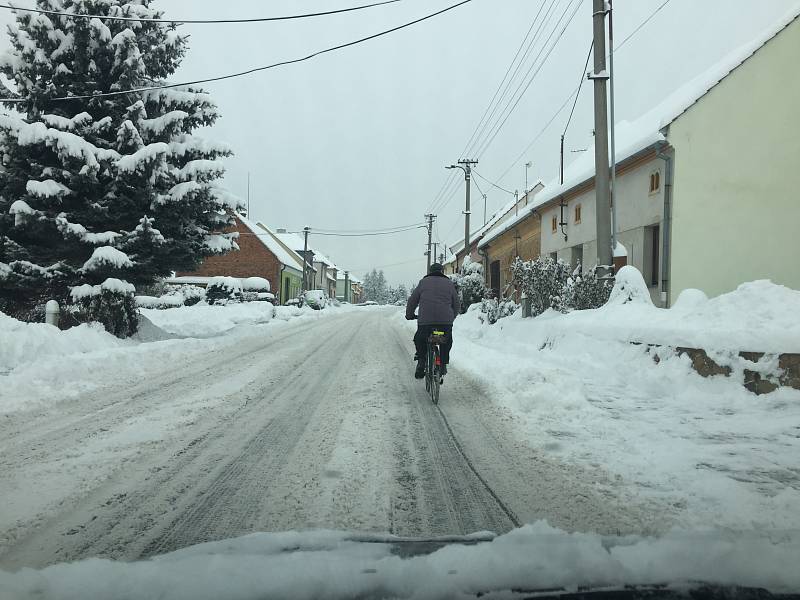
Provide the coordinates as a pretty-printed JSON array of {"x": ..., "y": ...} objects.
[
  {"x": 306, "y": 230},
  {"x": 527, "y": 166},
  {"x": 441, "y": 258},
  {"x": 466, "y": 166},
  {"x": 561, "y": 162},
  {"x": 430, "y": 219},
  {"x": 435, "y": 249},
  {"x": 346, "y": 285},
  {"x": 601, "y": 187},
  {"x": 613, "y": 125}
]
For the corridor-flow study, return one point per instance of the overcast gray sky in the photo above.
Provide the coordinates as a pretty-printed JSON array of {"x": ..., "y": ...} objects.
[{"x": 359, "y": 138}]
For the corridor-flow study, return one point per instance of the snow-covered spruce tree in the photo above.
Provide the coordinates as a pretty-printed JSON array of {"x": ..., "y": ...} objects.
[{"x": 110, "y": 187}]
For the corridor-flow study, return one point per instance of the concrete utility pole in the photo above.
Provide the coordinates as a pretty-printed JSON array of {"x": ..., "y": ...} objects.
[
  {"x": 346, "y": 285},
  {"x": 306, "y": 230},
  {"x": 601, "y": 181},
  {"x": 430, "y": 219},
  {"x": 466, "y": 166},
  {"x": 613, "y": 126}
]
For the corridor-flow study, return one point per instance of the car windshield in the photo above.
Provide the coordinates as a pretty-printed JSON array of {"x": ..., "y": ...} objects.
[{"x": 399, "y": 299}]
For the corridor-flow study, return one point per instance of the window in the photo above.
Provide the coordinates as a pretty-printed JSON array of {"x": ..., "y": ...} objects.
[
  {"x": 655, "y": 182},
  {"x": 577, "y": 213},
  {"x": 651, "y": 258},
  {"x": 554, "y": 224}
]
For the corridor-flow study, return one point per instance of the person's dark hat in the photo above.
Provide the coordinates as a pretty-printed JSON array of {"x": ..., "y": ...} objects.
[{"x": 436, "y": 268}]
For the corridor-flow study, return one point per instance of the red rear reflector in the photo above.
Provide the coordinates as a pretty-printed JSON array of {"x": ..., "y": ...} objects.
[{"x": 438, "y": 361}]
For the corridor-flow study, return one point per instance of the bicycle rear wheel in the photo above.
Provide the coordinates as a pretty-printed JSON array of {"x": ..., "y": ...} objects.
[
  {"x": 436, "y": 377},
  {"x": 428, "y": 369}
]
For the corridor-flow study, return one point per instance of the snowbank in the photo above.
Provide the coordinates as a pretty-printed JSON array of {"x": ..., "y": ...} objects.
[
  {"x": 42, "y": 365},
  {"x": 29, "y": 343},
  {"x": 202, "y": 320},
  {"x": 709, "y": 450},
  {"x": 758, "y": 316},
  {"x": 336, "y": 565}
]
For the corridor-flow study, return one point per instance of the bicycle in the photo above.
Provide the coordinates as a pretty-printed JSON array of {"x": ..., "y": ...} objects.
[{"x": 433, "y": 364}]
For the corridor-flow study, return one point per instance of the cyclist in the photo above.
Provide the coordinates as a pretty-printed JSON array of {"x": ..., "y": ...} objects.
[{"x": 438, "y": 303}]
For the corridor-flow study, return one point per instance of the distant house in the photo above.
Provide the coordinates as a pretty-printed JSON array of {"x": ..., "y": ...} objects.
[
  {"x": 508, "y": 212},
  {"x": 323, "y": 276},
  {"x": 348, "y": 288},
  {"x": 259, "y": 255}
]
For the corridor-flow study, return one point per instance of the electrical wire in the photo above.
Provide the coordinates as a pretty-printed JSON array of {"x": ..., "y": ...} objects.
[
  {"x": 488, "y": 143},
  {"x": 580, "y": 85},
  {"x": 439, "y": 200},
  {"x": 253, "y": 70},
  {"x": 575, "y": 91},
  {"x": 366, "y": 234},
  {"x": 542, "y": 26},
  {"x": 194, "y": 21},
  {"x": 492, "y": 183}
]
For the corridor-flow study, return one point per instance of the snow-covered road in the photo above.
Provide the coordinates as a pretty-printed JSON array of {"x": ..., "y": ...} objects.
[{"x": 311, "y": 424}]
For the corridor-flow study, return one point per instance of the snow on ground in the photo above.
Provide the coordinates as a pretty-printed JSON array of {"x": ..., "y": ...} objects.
[
  {"x": 581, "y": 392},
  {"x": 328, "y": 564},
  {"x": 39, "y": 364}
]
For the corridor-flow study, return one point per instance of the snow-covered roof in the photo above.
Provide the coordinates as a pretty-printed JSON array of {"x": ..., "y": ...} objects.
[
  {"x": 264, "y": 235},
  {"x": 285, "y": 253},
  {"x": 291, "y": 240}
]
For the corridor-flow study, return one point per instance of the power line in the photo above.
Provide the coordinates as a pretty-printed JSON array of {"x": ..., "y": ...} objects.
[
  {"x": 508, "y": 70},
  {"x": 477, "y": 142},
  {"x": 492, "y": 183},
  {"x": 578, "y": 93},
  {"x": 530, "y": 81},
  {"x": 367, "y": 234},
  {"x": 575, "y": 91},
  {"x": 256, "y": 69},
  {"x": 193, "y": 21},
  {"x": 373, "y": 230},
  {"x": 439, "y": 200}
]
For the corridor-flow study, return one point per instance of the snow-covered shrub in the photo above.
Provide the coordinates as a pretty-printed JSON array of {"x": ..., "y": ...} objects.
[
  {"x": 192, "y": 294},
  {"x": 255, "y": 284},
  {"x": 629, "y": 287},
  {"x": 495, "y": 309},
  {"x": 221, "y": 290},
  {"x": 159, "y": 302},
  {"x": 543, "y": 280},
  {"x": 585, "y": 290},
  {"x": 111, "y": 303},
  {"x": 470, "y": 283}
]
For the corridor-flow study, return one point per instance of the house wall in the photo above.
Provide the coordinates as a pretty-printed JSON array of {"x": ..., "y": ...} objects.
[
  {"x": 291, "y": 284},
  {"x": 252, "y": 259},
  {"x": 639, "y": 215},
  {"x": 736, "y": 204},
  {"x": 523, "y": 240}
]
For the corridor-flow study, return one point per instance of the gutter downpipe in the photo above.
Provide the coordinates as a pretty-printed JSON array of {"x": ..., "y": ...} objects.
[
  {"x": 666, "y": 228},
  {"x": 280, "y": 285}
]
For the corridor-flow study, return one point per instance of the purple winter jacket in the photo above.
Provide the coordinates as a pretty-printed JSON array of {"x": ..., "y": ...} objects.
[{"x": 437, "y": 299}]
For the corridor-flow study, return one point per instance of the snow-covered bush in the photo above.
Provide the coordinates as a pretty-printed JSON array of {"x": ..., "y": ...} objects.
[
  {"x": 630, "y": 288},
  {"x": 255, "y": 284},
  {"x": 470, "y": 283},
  {"x": 159, "y": 302},
  {"x": 543, "y": 280},
  {"x": 495, "y": 309},
  {"x": 585, "y": 290},
  {"x": 221, "y": 290},
  {"x": 192, "y": 294},
  {"x": 111, "y": 303}
]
